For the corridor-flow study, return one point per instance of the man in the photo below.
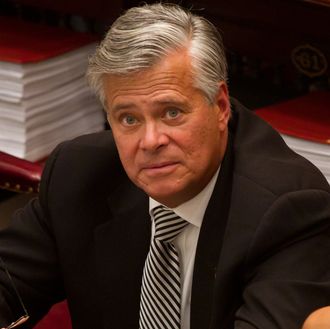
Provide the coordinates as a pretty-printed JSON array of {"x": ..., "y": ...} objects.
[{"x": 253, "y": 244}]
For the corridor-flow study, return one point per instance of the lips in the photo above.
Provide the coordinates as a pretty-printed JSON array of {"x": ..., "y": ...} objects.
[
  {"x": 158, "y": 165},
  {"x": 162, "y": 168}
]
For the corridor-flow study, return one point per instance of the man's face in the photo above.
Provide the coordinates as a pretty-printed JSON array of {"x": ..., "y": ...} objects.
[{"x": 170, "y": 139}]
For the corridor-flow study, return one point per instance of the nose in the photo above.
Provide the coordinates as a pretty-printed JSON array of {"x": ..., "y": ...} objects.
[{"x": 153, "y": 138}]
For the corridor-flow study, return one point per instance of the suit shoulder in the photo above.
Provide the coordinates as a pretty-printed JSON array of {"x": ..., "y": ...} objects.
[
  {"x": 89, "y": 161},
  {"x": 103, "y": 139},
  {"x": 90, "y": 147}
]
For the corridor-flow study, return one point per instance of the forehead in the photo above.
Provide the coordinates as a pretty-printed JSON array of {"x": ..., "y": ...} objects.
[{"x": 172, "y": 75}]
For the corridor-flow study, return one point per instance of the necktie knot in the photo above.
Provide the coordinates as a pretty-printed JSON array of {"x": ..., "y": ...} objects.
[{"x": 168, "y": 225}]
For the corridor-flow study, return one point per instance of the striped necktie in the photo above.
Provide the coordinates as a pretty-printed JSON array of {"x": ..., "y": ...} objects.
[{"x": 161, "y": 289}]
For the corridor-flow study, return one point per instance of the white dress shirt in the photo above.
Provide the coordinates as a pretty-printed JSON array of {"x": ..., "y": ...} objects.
[{"x": 193, "y": 212}]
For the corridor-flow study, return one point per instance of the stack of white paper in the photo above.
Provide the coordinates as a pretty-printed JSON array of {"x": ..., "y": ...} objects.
[{"x": 45, "y": 102}]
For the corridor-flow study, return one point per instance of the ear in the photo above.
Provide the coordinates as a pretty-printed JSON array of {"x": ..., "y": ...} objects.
[{"x": 223, "y": 104}]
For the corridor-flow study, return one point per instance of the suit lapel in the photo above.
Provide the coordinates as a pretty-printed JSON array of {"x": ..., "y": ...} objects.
[
  {"x": 209, "y": 245},
  {"x": 121, "y": 246}
]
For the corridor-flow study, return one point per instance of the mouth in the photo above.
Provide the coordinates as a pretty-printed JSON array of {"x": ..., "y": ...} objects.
[{"x": 157, "y": 169}]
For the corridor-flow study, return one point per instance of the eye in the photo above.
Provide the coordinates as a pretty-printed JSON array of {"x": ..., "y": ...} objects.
[
  {"x": 128, "y": 120},
  {"x": 172, "y": 113}
]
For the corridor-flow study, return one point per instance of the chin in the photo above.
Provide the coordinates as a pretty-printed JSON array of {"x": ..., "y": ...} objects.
[
  {"x": 163, "y": 191},
  {"x": 160, "y": 193},
  {"x": 172, "y": 198}
]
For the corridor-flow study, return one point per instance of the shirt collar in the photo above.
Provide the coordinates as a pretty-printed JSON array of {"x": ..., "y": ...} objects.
[{"x": 192, "y": 210}]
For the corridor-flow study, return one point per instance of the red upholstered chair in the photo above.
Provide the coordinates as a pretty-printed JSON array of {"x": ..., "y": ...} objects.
[{"x": 19, "y": 175}]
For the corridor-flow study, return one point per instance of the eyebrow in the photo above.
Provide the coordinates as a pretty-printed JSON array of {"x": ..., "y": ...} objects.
[
  {"x": 165, "y": 101},
  {"x": 170, "y": 101},
  {"x": 122, "y": 106}
]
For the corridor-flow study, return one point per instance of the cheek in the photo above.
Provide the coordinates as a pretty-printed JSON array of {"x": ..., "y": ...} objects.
[
  {"x": 194, "y": 146},
  {"x": 205, "y": 145},
  {"x": 202, "y": 135}
]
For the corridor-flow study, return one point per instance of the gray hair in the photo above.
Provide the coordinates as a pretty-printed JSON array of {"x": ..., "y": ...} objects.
[{"x": 144, "y": 35}]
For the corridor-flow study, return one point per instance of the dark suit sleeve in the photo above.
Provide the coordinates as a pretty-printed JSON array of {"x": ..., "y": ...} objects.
[
  {"x": 28, "y": 248},
  {"x": 288, "y": 263}
]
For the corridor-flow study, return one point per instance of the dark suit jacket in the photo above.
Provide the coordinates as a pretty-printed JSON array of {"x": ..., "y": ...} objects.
[{"x": 262, "y": 258}]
